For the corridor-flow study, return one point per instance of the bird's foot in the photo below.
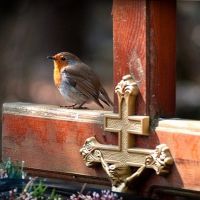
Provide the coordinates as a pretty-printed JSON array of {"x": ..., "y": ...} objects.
[
  {"x": 74, "y": 106},
  {"x": 71, "y": 106}
]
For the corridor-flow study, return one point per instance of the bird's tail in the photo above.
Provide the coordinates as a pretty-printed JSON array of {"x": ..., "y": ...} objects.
[{"x": 103, "y": 96}]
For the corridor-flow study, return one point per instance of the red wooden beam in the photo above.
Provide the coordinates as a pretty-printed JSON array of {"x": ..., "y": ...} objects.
[
  {"x": 162, "y": 57},
  {"x": 49, "y": 138},
  {"x": 144, "y": 46}
]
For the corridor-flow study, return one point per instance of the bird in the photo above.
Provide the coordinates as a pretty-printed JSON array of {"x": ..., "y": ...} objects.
[{"x": 77, "y": 82}]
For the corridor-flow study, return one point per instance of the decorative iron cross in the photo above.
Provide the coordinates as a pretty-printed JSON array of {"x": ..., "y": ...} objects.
[{"x": 126, "y": 125}]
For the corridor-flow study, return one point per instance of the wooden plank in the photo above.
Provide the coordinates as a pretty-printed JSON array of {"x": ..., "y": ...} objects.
[
  {"x": 54, "y": 112},
  {"x": 50, "y": 147},
  {"x": 184, "y": 144},
  {"x": 183, "y": 139},
  {"x": 49, "y": 144},
  {"x": 144, "y": 45},
  {"x": 49, "y": 138}
]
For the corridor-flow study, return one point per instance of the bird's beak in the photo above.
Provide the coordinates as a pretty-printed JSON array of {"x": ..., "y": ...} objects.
[{"x": 51, "y": 57}]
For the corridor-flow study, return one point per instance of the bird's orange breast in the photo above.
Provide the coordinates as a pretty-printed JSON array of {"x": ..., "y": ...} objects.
[{"x": 56, "y": 75}]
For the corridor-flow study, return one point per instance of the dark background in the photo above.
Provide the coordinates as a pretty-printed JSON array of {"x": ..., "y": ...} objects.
[
  {"x": 31, "y": 30},
  {"x": 188, "y": 59}
]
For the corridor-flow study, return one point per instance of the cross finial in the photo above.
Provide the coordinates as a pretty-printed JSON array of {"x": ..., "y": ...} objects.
[{"x": 127, "y": 89}]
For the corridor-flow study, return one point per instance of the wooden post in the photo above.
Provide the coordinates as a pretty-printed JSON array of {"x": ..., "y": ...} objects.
[{"x": 144, "y": 46}]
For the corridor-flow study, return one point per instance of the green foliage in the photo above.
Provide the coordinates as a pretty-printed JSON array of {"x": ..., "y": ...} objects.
[
  {"x": 39, "y": 190},
  {"x": 54, "y": 196},
  {"x": 10, "y": 169}
]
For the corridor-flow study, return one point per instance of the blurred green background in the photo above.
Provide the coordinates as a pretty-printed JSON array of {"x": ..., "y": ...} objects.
[{"x": 31, "y": 30}]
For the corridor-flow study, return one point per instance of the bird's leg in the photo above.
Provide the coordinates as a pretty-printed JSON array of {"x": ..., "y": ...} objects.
[{"x": 81, "y": 106}]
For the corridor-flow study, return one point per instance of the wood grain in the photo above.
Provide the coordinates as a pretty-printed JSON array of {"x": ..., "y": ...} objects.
[
  {"x": 49, "y": 138},
  {"x": 144, "y": 46},
  {"x": 129, "y": 45},
  {"x": 54, "y": 112},
  {"x": 48, "y": 144}
]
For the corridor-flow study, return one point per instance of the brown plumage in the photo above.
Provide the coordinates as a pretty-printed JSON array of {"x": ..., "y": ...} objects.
[{"x": 77, "y": 82}]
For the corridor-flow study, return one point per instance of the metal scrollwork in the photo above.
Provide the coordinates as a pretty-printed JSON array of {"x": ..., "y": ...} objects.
[{"x": 160, "y": 160}]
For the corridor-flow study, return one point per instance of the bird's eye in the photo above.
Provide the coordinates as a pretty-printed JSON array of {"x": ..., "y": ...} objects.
[{"x": 63, "y": 58}]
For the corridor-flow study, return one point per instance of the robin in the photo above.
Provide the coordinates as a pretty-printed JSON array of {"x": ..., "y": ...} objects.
[{"x": 77, "y": 82}]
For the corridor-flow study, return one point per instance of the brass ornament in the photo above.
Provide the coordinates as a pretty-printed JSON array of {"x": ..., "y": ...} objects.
[
  {"x": 119, "y": 160},
  {"x": 160, "y": 160}
]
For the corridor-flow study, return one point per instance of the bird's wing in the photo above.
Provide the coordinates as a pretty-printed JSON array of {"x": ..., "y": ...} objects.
[
  {"x": 103, "y": 96},
  {"x": 84, "y": 80}
]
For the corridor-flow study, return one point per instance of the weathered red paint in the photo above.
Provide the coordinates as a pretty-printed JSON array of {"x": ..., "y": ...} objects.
[
  {"x": 53, "y": 145},
  {"x": 185, "y": 149},
  {"x": 144, "y": 38},
  {"x": 48, "y": 144},
  {"x": 129, "y": 45}
]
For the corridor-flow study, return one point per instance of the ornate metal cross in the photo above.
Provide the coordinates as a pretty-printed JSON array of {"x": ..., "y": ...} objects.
[{"x": 126, "y": 125}]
